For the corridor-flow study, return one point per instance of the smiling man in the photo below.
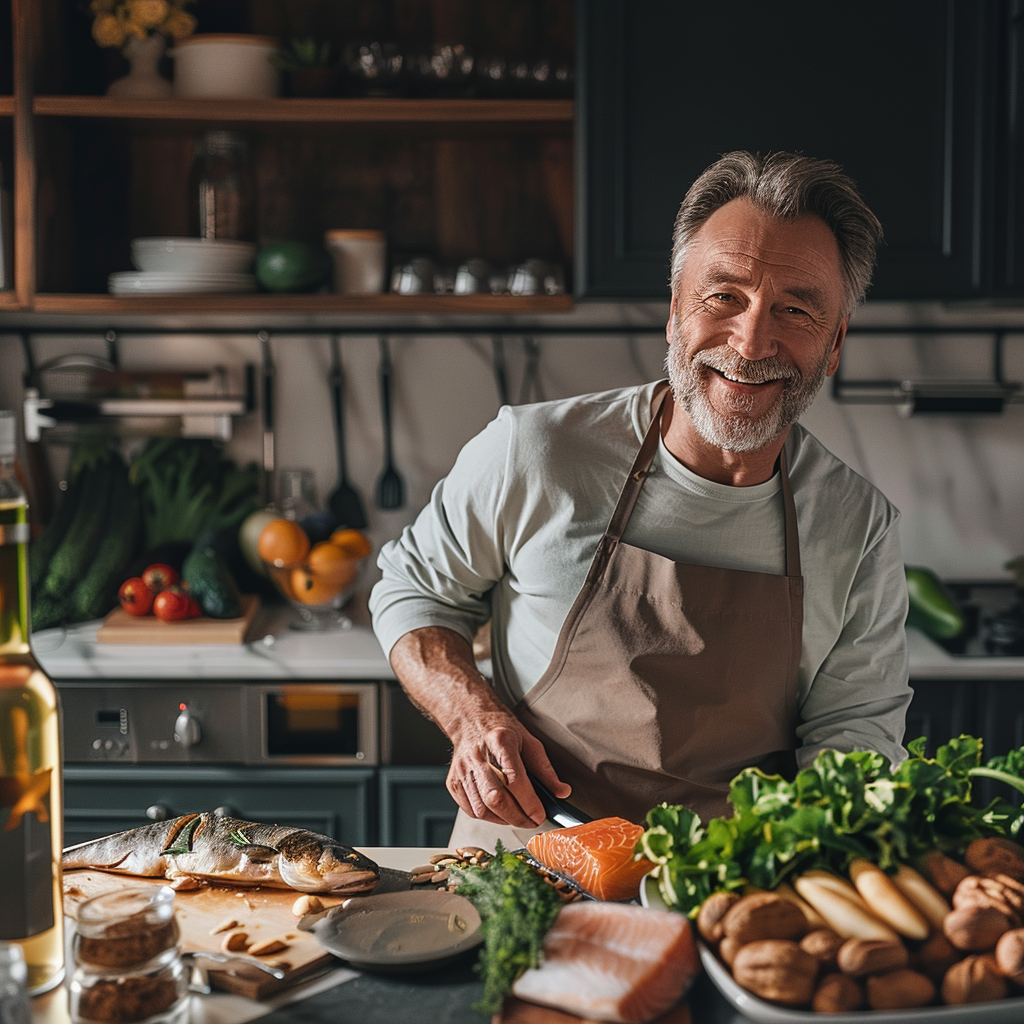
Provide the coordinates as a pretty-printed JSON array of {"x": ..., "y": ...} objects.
[{"x": 681, "y": 581}]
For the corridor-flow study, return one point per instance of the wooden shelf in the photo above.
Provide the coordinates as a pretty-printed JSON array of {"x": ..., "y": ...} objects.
[
  {"x": 310, "y": 111},
  {"x": 392, "y": 305},
  {"x": 6, "y": 106}
]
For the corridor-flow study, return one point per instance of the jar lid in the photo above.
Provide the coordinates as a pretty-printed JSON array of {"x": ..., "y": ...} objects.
[
  {"x": 353, "y": 235},
  {"x": 227, "y": 37}
]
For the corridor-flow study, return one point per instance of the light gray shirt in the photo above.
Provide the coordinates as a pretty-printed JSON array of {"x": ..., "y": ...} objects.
[{"x": 510, "y": 533}]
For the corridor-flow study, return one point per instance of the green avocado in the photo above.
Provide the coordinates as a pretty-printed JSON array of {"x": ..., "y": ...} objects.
[
  {"x": 210, "y": 581},
  {"x": 932, "y": 608},
  {"x": 291, "y": 266}
]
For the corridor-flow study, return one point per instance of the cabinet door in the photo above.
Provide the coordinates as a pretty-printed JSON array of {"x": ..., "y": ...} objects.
[
  {"x": 940, "y": 709},
  {"x": 335, "y": 802},
  {"x": 1001, "y": 726},
  {"x": 416, "y": 807},
  {"x": 898, "y": 94}
]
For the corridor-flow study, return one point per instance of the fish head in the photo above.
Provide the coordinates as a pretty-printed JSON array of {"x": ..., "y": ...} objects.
[{"x": 327, "y": 868}]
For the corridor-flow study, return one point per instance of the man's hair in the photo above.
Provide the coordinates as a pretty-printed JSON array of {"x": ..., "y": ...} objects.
[{"x": 787, "y": 185}]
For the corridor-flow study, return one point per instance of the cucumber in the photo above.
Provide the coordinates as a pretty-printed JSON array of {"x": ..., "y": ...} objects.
[
  {"x": 78, "y": 547},
  {"x": 49, "y": 611},
  {"x": 46, "y": 543},
  {"x": 932, "y": 608},
  {"x": 96, "y": 593},
  {"x": 210, "y": 582}
]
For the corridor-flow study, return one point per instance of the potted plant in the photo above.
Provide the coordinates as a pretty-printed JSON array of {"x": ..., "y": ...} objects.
[
  {"x": 141, "y": 28},
  {"x": 311, "y": 66}
]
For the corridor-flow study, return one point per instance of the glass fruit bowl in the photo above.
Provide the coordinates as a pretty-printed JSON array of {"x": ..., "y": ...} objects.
[{"x": 315, "y": 579}]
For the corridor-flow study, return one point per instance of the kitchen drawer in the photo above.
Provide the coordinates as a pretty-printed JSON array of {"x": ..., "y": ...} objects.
[
  {"x": 416, "y": 808},
  {"x": 336, "y": 802}
]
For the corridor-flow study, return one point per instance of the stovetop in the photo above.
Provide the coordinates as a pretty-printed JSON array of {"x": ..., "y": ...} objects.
[{"x": 995, "y": 617}]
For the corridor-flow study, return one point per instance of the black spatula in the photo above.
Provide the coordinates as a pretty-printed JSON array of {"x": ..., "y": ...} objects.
[{"x": 344, "y": 502}]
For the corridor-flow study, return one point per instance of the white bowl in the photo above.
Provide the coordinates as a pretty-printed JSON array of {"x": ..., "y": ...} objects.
[
  {"x": 193, "y": 255},
  {"x": 218, "y": 66},
  {"x": 169, "y": 282}
]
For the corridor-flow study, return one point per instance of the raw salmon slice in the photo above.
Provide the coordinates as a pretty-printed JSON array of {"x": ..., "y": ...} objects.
[
  {"x": 598, "y": 856},
  {"x": 613, "y": 962}
]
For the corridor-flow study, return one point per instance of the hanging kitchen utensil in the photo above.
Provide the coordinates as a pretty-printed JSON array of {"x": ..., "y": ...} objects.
[
  {"x": 390, "y": 486},
  {"x": 268, "y": 416},
  {"x": 344, "y": 502},
  {"x": 531, "y": 385},
  {"x": 500, "y": 368}
]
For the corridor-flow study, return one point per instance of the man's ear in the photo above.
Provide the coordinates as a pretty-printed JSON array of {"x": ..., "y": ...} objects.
[
  {"x": 671, "y": 318},
  {"x": 837, "y": 347}
]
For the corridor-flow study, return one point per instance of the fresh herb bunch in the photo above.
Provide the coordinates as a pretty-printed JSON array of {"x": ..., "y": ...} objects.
[
  {"x": 517, "y": 907},
  {"x": 839, "y": 807}
]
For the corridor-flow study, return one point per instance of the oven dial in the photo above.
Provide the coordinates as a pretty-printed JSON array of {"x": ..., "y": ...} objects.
[{"x": 186, "y": 729}]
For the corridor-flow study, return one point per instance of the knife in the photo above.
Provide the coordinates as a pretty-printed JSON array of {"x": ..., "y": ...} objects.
[{"x": 559, "y": 811}]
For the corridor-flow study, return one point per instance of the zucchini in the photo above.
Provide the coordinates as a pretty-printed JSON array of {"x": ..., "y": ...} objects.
[
  {"x": 48, "y": 611},
  {"x": 96, "y": 593},
  {"x": 210, "y": 581},
  {"x": 932, "y": 608},
  {"x": 46, "y": 543},
  {"x": 78, "y": 547}
]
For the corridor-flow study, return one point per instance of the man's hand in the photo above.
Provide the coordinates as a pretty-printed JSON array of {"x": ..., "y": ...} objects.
[
  {"x": 488, "y": 773},
  {"x": 492, "y": 750}
]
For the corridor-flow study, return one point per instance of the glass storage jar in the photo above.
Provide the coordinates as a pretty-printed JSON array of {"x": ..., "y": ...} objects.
[
  {"x": 127, "y": 954},
  {"x": 222, "y": 191}
]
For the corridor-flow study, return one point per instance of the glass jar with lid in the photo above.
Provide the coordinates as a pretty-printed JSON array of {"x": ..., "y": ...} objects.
[
  {"x": 128, "y": 966},
  {"x": 221, "y": 188}
]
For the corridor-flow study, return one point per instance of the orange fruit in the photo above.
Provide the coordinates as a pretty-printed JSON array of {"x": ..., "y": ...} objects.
[
  {"x": 282, "y": 542},
  {"x": 311, "y": 587},
  {"x": 328, "y": 560},
  {"x": 354, "y": 543}
]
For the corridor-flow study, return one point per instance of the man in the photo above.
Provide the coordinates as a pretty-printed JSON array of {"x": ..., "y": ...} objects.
[{"x": 681, "y": 583}]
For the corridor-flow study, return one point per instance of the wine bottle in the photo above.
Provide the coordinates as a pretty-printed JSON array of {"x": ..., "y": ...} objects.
[{"x": 31, "y": 805}]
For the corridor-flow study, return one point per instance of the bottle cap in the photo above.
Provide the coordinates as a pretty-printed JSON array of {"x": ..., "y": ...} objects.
[{"x": 7, "y": 433}]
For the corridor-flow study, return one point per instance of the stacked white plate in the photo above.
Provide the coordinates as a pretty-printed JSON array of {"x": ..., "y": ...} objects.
[{"x": 186, "y": 265}]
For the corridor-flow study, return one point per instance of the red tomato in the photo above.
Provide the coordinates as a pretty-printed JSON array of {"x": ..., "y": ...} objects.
[
  {"x": 159, "y": 577},
  {"x": 135, "y": 597},
  {"x": 174, "y": 604}
]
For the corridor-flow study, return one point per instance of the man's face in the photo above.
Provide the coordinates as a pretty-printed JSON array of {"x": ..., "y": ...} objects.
[{"x": 756, "y": 324}]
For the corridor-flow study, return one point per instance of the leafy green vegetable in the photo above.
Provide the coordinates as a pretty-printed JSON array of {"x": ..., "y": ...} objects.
[
  {"x": 839, "y": 807},
  {"x": 517, "y": 907}
]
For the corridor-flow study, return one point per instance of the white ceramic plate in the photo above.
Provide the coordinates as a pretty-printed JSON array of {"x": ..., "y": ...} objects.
[
  {"x": 193, "y": 255},
  {"x": 1000, "y": 1011},
  {"x": 143, "y": 282}
]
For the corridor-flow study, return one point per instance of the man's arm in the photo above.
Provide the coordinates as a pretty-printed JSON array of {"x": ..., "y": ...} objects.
[{"x": 436, "y": 668}]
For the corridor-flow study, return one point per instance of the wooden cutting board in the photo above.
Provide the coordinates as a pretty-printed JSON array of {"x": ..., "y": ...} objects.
[
  {"x": 260, "y": 913},
  {"x": 121, "y": 628}
]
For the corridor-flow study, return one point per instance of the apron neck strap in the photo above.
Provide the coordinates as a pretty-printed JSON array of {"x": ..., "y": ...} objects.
[{"x": 642, "y": 463}]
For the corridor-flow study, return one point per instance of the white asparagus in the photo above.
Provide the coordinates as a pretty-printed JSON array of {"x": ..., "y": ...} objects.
[
  {"x": 838, "y": 885},
  {"x": 842, "y": 915},
  {"x": 814, "y": 919},
  {"x": 886, "y": 900},
  {"x": 932, "y": 904}
]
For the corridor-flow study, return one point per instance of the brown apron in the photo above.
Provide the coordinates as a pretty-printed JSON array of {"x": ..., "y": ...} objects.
[{"x": 667, "y": 678}]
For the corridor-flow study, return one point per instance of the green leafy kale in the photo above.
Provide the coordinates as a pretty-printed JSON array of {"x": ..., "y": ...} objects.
[
  {"x": 839, "y": 807},
  {"x": 517, "y": 907}
]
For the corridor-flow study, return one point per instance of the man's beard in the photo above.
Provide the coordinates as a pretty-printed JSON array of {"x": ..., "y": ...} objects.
[{"x": 738, "y": 431}]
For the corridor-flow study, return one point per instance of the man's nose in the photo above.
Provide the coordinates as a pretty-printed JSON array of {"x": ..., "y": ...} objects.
[{"x": 753, "y": 333}]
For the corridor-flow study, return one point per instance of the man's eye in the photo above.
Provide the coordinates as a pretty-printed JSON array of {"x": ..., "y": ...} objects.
[
  {"x": 721, "y": 297},
  {"x": 796, "y": 309}
]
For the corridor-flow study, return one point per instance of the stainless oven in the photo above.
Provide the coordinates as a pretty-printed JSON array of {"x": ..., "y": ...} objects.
[{"x": 221, "y": 722}]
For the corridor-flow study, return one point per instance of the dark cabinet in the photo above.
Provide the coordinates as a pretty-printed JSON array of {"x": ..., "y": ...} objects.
[
  {"x": 415, "y": 807},
  {"x": 913, "y": 99}
]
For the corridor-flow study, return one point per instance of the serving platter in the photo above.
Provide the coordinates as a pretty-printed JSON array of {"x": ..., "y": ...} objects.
[{"x": 998, "y": 1011}]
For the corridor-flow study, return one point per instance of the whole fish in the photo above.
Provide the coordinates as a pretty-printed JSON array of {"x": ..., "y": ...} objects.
[{"x": 217, "y": 849}]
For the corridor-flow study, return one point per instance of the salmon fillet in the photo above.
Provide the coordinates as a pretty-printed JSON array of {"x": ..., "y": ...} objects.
[
  {"x": 613, "y": 962},
  {"x": 598, "y": 856}
]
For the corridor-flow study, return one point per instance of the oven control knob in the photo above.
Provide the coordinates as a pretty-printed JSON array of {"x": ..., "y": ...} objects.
[{"x": 186, "y": 729}]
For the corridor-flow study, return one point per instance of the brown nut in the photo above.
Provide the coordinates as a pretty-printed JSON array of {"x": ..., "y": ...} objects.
[
  {"x": 996, "y": 856},
  {"x": 712, "y": 910},
  {"x": 860, "y": 957},
  {"x": 777, "y": 970},
  {"x": 764, "y": 915},
  {"x": 975, "y": 928},
  {"x": 267, "y": 946},
  {"x": 728, "y": 948},
  {"x": 236, "y": 942},
  {"x": 936, "y": 956},
  {"x": 837, "y": 993},
  {"x": 822, "y": 943},
  {"x": 307, "y": 904},
  {"x": 899, "y": 990},
  {"x": 979, "y": 890},
  {"x": 975, "y": 979},
  {"x": 943, "y": 872},
  {"x": 186, "y": 883},
  {"x": 1010, "y": 955}
]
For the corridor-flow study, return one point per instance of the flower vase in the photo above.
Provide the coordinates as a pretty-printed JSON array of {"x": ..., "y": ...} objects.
[{"x": 143, "y": 81}]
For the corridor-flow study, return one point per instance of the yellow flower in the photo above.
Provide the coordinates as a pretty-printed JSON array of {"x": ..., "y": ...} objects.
[
  {"x": 147, "y": 14},
  {"x": 109, "y": 30},
  {"x": 178, "y": 24}
]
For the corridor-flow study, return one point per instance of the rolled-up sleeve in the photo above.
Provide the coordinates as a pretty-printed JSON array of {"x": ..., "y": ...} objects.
[
  {"x": 440, "y": 570},
  {"x": 858, "y": 698}
]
